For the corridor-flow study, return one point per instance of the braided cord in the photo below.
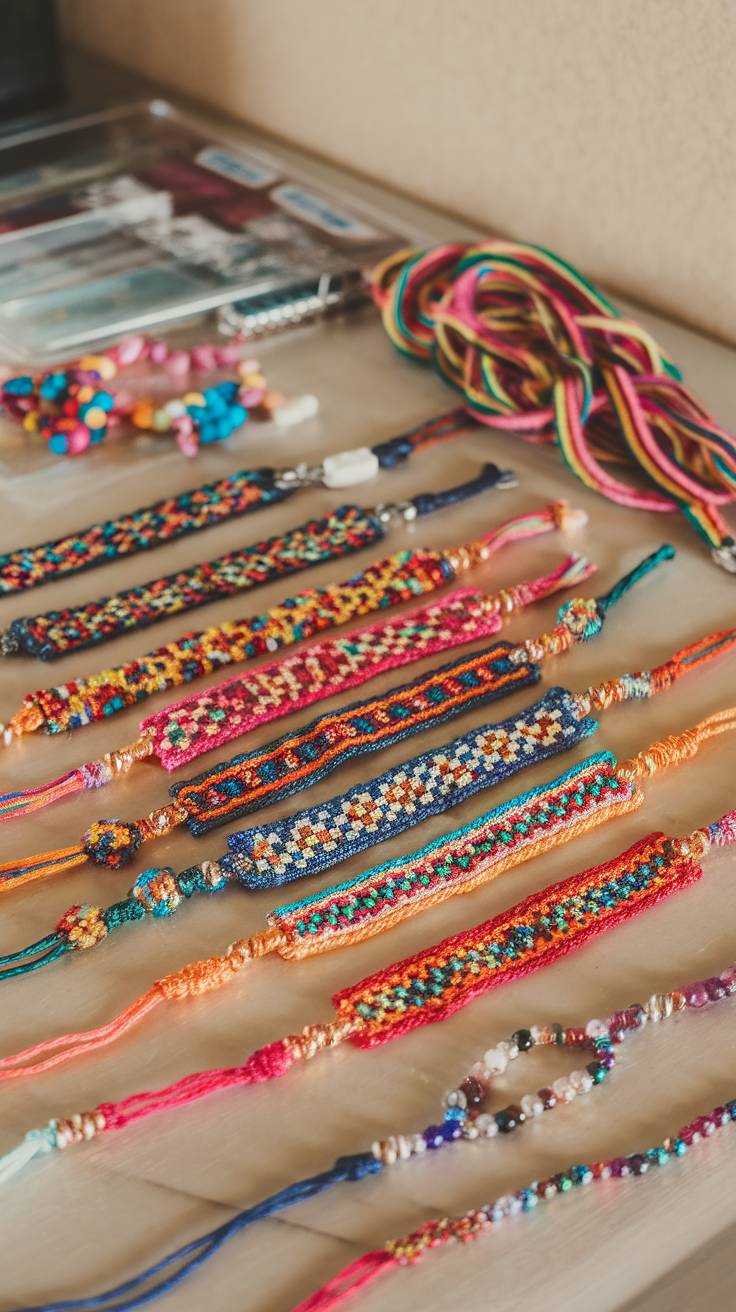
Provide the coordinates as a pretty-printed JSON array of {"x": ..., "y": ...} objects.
[
  {"x": 534, "y": 348},
  {"x": 56, "y": 633}
]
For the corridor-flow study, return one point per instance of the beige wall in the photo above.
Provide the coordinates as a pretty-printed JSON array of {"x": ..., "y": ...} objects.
[{"x": 604, "y": 129}]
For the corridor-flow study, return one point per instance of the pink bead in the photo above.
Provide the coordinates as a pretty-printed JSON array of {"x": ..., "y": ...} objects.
[
  {"x": 183, "y": 424},
  {"x": 130, "y": 350},
  {"x": 187, "y": 444},
  {"x": 159, "y": 352},
  {"x": 203, "y": 358},
  {"x": 124, "y": 402},
  {"x": 227, "y": 355},
  {"x": 78, "y": 440},
  {"x": 178, "y": 364},
  {"x": 728, "y": 978},
  {"x": 696, "y": 995},
  {"x": 251, "y": 396}
]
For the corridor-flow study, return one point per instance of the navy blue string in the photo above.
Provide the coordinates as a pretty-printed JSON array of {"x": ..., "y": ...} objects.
[
  {"x": 490, "y": 476},
  {"x": 199, "y": 1250},
  {"x": 398, "y": 449}
]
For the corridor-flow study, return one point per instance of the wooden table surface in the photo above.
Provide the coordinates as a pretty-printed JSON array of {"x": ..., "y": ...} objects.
[{"x": 73, "y": 1224}]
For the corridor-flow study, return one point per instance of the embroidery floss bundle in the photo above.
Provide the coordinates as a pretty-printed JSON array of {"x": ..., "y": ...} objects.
[
  {"x": 536, "y": 350},
  {"x": 197, "y": 724},
  {"x": 464, "y": 1120},
  {"x": 282, "y": 768},
  {"x": 342, "y": 532},
  {"x": 400, "y": 577},
  {"x": 588, "y": 795},
  {"x": 435, "y": 982},
  {"x": 213, "y": 503}
]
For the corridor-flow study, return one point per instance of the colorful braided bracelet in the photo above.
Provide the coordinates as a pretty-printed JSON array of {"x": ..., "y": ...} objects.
[
  {"x": 213, "y": 503},
  {"x": 341, "y": 533},
  {"x": 292, "y": 763},
  {"x": 464, "y": 1120},
  {"x": 400, "y": 577},
  {"x": 536, "y": 350},
  {"x": 577, "y": 801},
  {"x": 198, "y": 724},
  {"x": 436, "y": 981},
  {"x": 483, "y": 758}
]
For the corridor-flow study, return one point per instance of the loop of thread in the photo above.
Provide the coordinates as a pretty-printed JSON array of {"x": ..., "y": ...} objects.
[{"x": 537, "y": 350}]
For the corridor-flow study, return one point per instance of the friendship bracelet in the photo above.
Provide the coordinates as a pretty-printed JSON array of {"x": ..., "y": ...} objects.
[
  {"x": 198, "y": 724},
  {"x": 400, "y": 577},
  {"x": 323, "y": 835},
  {"x": 463, "y": 1119},
  {"x": 290, "y": 764},
  {"x": 452, "y": 1229},
  {"x": 213, "y": 503},
  {"x": 535, "y": 349},
  {"x": 72, "y": 409},
  {"x": 481, "y": 759},
  {"x": 436, "y": 981},
  {"x": 342, "y": 532},
  {"x": 588, "y": 795}
]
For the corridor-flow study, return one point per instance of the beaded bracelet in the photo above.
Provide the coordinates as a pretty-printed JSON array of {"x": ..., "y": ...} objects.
[
  {"x": 341, "y": 533},
  {"x": 463, "y": 1120},
  {"x": 213, "y": 503},
  {"x": 198, "y": 724},
  {"x": 292, "y": 763},
  {"x": 72, "y": 409},
  {"x": 453, "y": 1229},
  {"x": 435, "y": 982},
  {"x": 535, "y": 349},
  {"x": 588, "y": 795},
  {"x": 400, "y": 577}
]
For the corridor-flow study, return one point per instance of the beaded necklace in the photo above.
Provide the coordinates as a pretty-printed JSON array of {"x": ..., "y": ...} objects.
[
  {"x": 400, "y": 577},
  {"x": 198, "y": 724},
  {"x": 213, "y": 503},
  {"x": 588, "y": 795},
  {"x": 464, "y": 1120},
  {"x": 535, "y": 349},
  {"x": 341, "y": 533},
  {"x": 71, "y": 407},
  {"x": 254, "y": 779},
  {"x": 435, "y": 982}
]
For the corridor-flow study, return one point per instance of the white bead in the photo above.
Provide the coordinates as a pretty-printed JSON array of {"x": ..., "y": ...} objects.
[
  {"x": 480, "y": 1073},
  {"x": 349, "y": 467},
  {"x": 531, "y": 1105},
  {"x": 495, "y": 1060},
  {"x": 564, "y": 1089},
  {"x": 296, "y": 411},
  {"x": 486, "y": 1125},
  {"x": 418, "y": 1143},
  {"x": 456, "y": 1099},
  {"x": 8, "y": 737},
  {"x": 175, "y": 408},
  {"x": 510, "y": 1049},
  {"x": 581, "y": 1081},
  {"x": 595, "y": 1029},
  {"x": 404, "y": 1146}
]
